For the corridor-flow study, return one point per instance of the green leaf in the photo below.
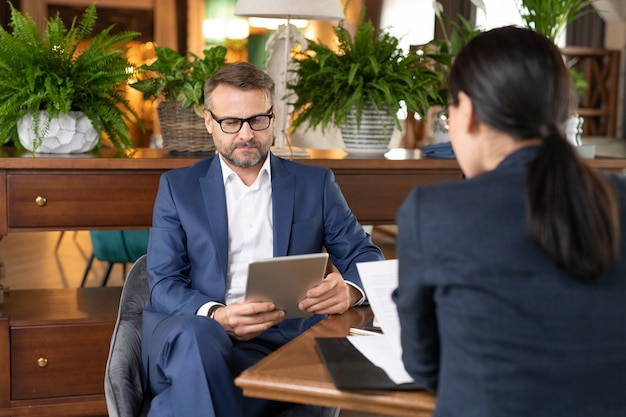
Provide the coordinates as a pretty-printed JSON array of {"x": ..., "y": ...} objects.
[
  {"x": 181, "y": 78},
  {"x": 551, "y": 17}
]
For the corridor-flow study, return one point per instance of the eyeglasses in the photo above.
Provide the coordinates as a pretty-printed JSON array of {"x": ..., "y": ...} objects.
[{"x": 234, "y": 125}]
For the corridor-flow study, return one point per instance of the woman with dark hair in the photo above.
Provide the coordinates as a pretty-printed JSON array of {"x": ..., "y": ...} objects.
[{"x": 512, "y": 283}]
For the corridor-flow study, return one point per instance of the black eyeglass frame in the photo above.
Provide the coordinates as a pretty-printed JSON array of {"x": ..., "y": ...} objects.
[{"x": 269, "y": 115}]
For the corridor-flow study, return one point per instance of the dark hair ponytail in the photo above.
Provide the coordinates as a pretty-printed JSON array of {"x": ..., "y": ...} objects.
[
  {"x": 572, "y": 209},
  {"x": 519, "y": 85}
]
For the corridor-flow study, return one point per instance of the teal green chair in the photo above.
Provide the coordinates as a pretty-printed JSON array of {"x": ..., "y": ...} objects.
[{"x": 116, "y": 247}]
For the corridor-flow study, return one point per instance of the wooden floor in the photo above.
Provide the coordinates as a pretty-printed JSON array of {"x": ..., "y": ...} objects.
[{"x": 33, "y": 260}]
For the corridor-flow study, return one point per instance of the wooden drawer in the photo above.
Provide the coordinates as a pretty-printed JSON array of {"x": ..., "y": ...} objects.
[
  {"x": 81, "y": 199},
  {"x": 74, "y": 359}
]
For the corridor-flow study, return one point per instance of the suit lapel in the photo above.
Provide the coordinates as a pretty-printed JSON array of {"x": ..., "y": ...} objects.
[
  {"x": 283, "y": 195},
  {"x": 214, "y": 197}
]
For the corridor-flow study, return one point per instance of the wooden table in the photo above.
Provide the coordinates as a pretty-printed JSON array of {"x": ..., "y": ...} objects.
[{"x": 296, "y": 373}]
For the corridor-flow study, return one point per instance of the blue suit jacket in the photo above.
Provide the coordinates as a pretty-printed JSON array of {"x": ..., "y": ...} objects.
[
  {"x": 188, "y": 246},
  {"x": 493, "y": 325}
]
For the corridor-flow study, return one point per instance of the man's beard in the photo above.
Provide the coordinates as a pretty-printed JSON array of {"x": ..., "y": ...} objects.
[{"x": 252, "y": 158}]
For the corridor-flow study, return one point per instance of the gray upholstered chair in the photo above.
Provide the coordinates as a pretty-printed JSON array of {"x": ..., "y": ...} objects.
[{"x": 123, "y": 386}]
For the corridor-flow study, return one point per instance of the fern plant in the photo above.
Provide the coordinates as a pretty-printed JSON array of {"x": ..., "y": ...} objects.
[
  {"x": 368, "y": 67},
  {"x": 48, "y": 71},
  {"x": 180, "y": 78}
]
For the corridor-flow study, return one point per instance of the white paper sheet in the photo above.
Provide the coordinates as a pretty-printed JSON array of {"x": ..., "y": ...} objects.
[{"x": 379, "y": 280}]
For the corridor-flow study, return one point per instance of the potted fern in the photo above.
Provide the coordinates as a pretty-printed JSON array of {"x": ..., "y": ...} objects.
[
  {"x": 48, "y": 80},
  {"x": 361, "y": 85},
  {"x": 178, "y": 82}
]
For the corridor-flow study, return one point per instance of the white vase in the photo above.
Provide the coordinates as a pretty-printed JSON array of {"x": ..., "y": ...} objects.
[
  {"x": 372, "y": 138},
  {"x": 574, "y": 129},
  {"x": 440, "y": 126},
  {"x": 72, "y": 132}
]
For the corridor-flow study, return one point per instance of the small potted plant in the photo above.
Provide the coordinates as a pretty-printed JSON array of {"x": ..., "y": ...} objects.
[
  {"x": 178, "y": 82},
  {"x": 363, "y": 84},
  {"x": 439, "y": 54},
  {"x": 551, "y": 17},
  {"x": 62, "y": 93}
]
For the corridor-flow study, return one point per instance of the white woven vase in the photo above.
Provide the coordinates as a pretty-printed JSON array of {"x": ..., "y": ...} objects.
[{"x": 69, "y": 133}]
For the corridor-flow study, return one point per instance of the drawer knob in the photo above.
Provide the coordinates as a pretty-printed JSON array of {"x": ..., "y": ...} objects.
[
  {"x": 41, "y": 201},
  {"x": 42, "y": 362}
]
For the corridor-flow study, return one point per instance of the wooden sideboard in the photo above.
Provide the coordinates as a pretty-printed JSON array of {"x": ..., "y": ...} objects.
[{"x": 116, "y": 190}]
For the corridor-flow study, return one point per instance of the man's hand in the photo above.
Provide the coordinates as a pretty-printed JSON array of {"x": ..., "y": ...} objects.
[
  {"x": 331, "y": 296},
  {"x": 245, "y": 320}
]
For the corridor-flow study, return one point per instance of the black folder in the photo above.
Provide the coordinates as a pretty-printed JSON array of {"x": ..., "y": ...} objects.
[{"x": 350, "y": 369}]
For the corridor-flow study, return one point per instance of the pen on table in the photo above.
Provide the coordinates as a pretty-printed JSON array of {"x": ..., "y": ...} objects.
[{"x": 361, "y": 332}]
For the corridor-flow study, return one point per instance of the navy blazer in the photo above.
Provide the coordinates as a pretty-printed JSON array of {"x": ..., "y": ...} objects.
[
  {"x": 489, "y": 322},
  {"x": 188, "y": 244}
]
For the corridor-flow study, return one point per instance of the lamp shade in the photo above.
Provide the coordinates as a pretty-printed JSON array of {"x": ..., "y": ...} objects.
[{"x": 292, "y": 9}]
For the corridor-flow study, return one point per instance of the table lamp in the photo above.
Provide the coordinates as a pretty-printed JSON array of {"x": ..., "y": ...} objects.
[{"x": 279, "y": 62}]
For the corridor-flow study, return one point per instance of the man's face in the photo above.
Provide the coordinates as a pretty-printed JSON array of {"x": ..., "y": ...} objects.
[{"x": 246, "y": 148}]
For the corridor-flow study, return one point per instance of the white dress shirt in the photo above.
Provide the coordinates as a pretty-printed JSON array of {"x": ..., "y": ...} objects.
[
  {"x": 250, "y": 228},
  {"x": 250, "y": 231}
]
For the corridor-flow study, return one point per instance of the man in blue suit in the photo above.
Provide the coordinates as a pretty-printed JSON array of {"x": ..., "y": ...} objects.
[{"x": 209, "y": 221}]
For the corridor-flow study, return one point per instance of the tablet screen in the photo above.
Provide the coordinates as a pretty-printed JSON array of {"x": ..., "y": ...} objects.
[{"x": 284, "y": 280}]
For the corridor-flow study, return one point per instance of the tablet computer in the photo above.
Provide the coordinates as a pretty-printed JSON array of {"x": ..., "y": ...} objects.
[{"x": 284, "y": 280}]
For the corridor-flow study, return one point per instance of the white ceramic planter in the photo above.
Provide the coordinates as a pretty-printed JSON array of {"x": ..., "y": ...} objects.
[
  {"x": 69, "y": 133},
  {"x": 373, "y": 136}
]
